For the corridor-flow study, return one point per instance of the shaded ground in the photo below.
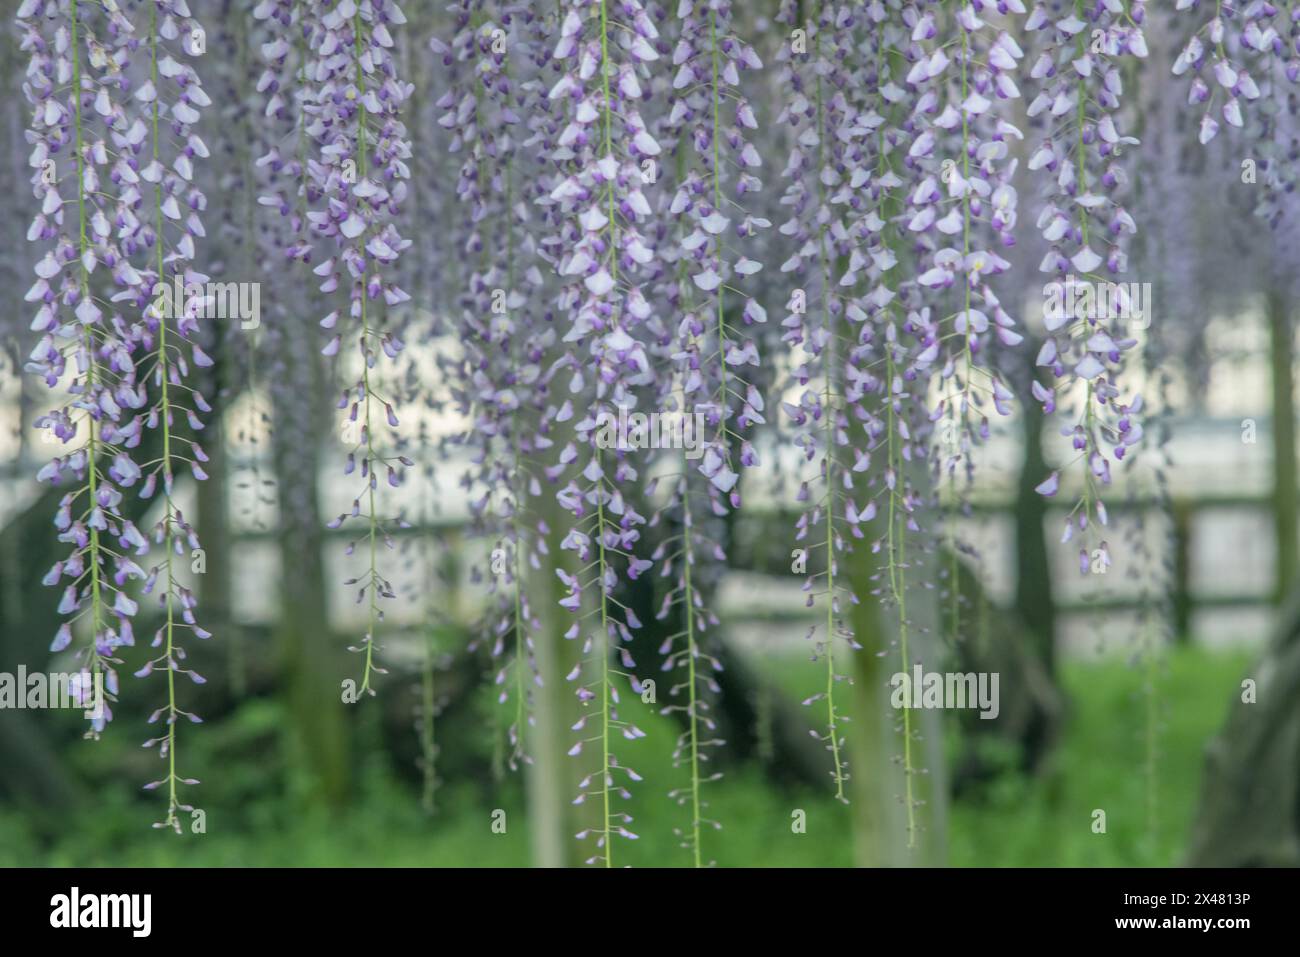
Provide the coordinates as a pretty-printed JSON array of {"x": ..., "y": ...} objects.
[{"x": 253, "y": 818}]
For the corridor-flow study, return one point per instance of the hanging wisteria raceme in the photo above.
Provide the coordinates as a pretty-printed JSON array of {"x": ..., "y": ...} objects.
[
  {"x": 709, "y": 58},
  {"x": 963, "y": 210},
  {"x": 283, "y": 86},
  {"x": 359, "y": 173},
  {"x": 499, "y": 380},
  {"x": 894, "y": 344},
  {"x": 599, "y": 155},
  {"x": 595, "y": 275},
  {"x": 1277, "y": 127},
  {"x": 1238, "y": 57},
  {"x": 281, "y": 151},
  {"x": 87, "y": 351},
  {"x": 281, "y": 63},
  {"x": 236, "y": 227},
  {"x": 1233, "y": 42},
  {"x": 1078, "y": 65},
  {"x": 709, "y": 351},
  {"x": 814, "y": 67},
  {"x": 170, "y": 99}
]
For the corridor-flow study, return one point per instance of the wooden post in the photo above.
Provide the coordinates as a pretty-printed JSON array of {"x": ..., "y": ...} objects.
[
  {"x": 1182, "y": 514},
  {"x": 1286, "y": 512}
]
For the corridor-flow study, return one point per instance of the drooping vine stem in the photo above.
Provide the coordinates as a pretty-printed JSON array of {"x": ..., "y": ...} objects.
[
  {"x": 360, "y": 172},
  {"x": 688, "y": 346},
  {"x": 89, "y": 347},
  {"x": 599, "y": 191},
  {"x": 709, "y": 57},
  {"x": 173, "y": 320},
  {"x": 817, "y": 110},
  {"x": 1079, "y": 64},
  {"x": 367, "y": 428},
  {"x": 103, "y": 389},
  {"x": 605, "y": 650},
  {"x": 884, "y": 240},
  {"x": 830, "y": 413},
  {"x": 499, "y": 382}
]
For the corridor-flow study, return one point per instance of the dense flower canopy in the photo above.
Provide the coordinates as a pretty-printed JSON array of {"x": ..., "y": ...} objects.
[{"x": 671, "y": 255}]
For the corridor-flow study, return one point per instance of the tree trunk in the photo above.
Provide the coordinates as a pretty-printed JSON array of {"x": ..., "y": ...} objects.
[
  {"x": 1033, "y": 600},
  {"x": 1249, "y": 812},
  {"x": 553, "y": 776},
  {"x": 877, "y": 776},
  {"x": 551, "y": 780},
  {"x": 311, "y": 653},
  {"x": 1031, "y": 707},
  {"x": 1284, "y": 429}
]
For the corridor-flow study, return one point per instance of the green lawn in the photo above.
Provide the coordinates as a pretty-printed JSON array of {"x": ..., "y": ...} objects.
[{"x": 1040, "y": 822}]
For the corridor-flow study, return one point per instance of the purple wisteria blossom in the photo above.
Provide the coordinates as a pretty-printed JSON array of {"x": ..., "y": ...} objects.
[
  {"x": 1239, "y": 59},
  {"x": 1077, "y": 64},
  {"x": 170, "y": 102},
  {"x": 284, "y": 147},
  {"x": 709, "y": 60},
  {"x": 499, "y": 381},
  {"x": 88, "y": 188},
  {"x": 823, "y": 124},
  {"x": 357, "y": 182},
  {"x": 963, "y": 211},
  {"x": 1232, "y": 45},
  {"x": 710, "y": 350},
  {"x": 889, "y": 369},
  {"x": 282, "y": 85},
  {"x": 600, "y": 155}
]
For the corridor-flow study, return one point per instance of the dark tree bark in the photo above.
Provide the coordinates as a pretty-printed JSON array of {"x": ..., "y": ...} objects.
[
  {"x": 28, "y": 620},
  {"x": 1285, "y": 504},
  {"x": 1031, "y": 706},
  {"x": 312, "y": 655},
  {"x": 792, "y": 756},
  {"x": 1033, "y": 600},
  {"x": 33, "y": 770},
  {"x": 1249, "y": 813}
]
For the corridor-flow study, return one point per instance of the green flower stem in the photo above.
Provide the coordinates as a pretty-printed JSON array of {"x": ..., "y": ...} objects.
[
  {"x": 896, "y": 529},
  {"x": 605, "y": 650},
  {"x": 828, "y": 411},
  {"x": 717, "y": 205},
  {"x": 691, "y": 690},
  {"x": 169, "y": 508},
  {"x": 372, "y": 476},
  {"x": 88, "y": 343}
]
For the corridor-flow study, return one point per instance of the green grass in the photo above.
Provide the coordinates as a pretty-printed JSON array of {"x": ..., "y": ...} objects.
[
  {"x": 253, "y": 816},
  {"x": 1101, "y": 764}
]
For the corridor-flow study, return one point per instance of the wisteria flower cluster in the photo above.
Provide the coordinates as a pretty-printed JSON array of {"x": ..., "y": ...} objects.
[
  {"x": 1221, "y": 53},
  {"x": 815, "y": 113},
  {"x": 357, "y": 182},
  {"x": 709, "y": 352},
  {"x": 1237, "y": 60},
  {"x": 172, "y": 96},
  {"x": 500, "y": 379},
  {"x": 964, "y": 211},
  {"x": 1078, "y": 69},
  {"x": 616, "y": 195},
  {"x": 600, "y": 152},
  {"x": 113, "y": 159}
]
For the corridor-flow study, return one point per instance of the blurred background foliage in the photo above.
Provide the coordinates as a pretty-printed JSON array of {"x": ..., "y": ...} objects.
[
  {"x": 1111, "y": 695},
  {"x": 260, "y": 813}
]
